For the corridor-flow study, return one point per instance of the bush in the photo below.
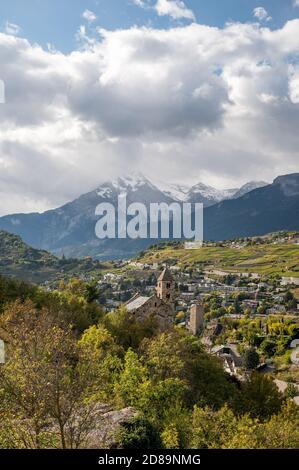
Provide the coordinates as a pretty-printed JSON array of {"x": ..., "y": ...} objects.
[
  {"x": 251, "y": 359},
  {"x": 139, "y": 433}
]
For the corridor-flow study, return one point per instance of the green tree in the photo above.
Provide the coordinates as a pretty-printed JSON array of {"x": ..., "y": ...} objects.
[
  {"x": 43, "y": 381},
  {"x": 139, "y": 433},
  {"x": 177, "y": 354},
  {"x": 251, "y": 359},
  {"x": 104, "y": 357},
  {"x": 259, "y": 397},
  {"x": 132, "y": 382},
  {"x": 129, "y": 331},
  {"x": 291, "y": 391},
  {"x": 211, "y": 430},
  {"x": 282, "y": 430}
]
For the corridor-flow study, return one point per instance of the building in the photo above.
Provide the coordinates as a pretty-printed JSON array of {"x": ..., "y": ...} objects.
[
  {"x": 285, "y": 281},
  {"x": 196, "y": 322},
  {"x": 160, "y": 305},
  {"x": 232, "y": 361},
  {"x": 166, "y": 288}
]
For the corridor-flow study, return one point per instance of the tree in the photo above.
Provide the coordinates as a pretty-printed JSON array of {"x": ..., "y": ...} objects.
[
  {"x": 290, "y": 300},
  {"x": 210, "y": 430},
  {"x": 127, "y": 330},
  {"x": 140, "y": 433},
  {"x": 251, "y": 359},
  {"x": 259, "y": 397},
  {"x": 44, "y": 381},
  {"x": 132, "y": 381},
  {"x": 104, "y": 356},
  {"x": 91, "y": 292},
  {"x": 178, "y": 355},
  {"x": 151, "y": 394},
  {"x": 268, "y": 347},
  {"x": 223, "y": 429},
  {"x": 291, "y": 391},
  {"x": 282, "y": 430}
]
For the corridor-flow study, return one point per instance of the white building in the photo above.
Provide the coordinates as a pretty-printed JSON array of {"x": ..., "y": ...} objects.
[{"x": 285, "y": 281}]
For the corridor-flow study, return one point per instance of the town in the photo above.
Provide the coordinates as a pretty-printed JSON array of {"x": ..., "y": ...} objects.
[{"x": 235, "y": 313}]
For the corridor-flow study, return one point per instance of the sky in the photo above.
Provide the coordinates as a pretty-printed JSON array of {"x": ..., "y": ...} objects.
[{"x": 182, "y": 91}]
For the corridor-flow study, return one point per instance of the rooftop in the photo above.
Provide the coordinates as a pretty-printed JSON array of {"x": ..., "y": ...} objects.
[
  {"x": 136, "y": 303},
  {"x": 166, "y": 276}
]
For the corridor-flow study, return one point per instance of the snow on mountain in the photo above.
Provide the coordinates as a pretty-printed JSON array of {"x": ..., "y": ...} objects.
[
  {"x": 70, "y": 229},
  {"x": 124, "y": 184},
  {"x": 200, "y": 192},
  {"x": 131, "y": 183},
  {"x": 177, "y": 192},
  {"x": 209, "y": 193},
  {"x": 248, "y": 187}
]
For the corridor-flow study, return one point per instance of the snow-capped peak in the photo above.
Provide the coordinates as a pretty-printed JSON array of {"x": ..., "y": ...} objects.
[
  {"x": 248, "y": 187},
  {"x": 200, "y": 192},
  {"x": 123, "y": 184},
  {"x": 178, "y": 192},
  {"x": 131, "y": 182},
  {"x": 208, "y": 192}
]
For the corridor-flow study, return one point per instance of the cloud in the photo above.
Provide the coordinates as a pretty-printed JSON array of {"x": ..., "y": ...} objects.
[
  {"x": 89, "y": 16},
  {"x": 296, "y": 3},
  {"x": 187, "y": 103},
  {"x": 12, "y": 29},
  {"x": 261, "y": 14},
  {"x": 174, "y": 8},
  {"x": 140, "y": 3}
]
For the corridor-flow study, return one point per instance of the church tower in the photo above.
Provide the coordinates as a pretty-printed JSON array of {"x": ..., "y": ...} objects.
[{"x": 166, "y": 288}]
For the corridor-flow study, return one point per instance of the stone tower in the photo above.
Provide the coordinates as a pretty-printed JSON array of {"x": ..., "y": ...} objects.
[
  {"x": 196, "y": 322},
  {"x": 166, "y": 288}
]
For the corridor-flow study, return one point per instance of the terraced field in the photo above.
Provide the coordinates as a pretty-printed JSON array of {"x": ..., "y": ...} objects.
[{"x": 263, "y": 259}]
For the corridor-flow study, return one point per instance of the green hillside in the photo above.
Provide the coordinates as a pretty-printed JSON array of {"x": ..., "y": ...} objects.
[
  {"x": 282, "y": 259},
  {"x": 17, "y": 259}
]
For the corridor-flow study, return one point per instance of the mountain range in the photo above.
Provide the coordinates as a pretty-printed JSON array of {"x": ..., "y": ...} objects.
[
  {"x": 207, "y": 195},
  {"x": 255, "y": 209}
]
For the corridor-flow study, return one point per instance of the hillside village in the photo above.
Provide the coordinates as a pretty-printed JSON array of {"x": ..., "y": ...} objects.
[
  {"x": 230, "y": 310},
  {"x": 169, "y": 338},
  {"x": 237, "y": 284}
]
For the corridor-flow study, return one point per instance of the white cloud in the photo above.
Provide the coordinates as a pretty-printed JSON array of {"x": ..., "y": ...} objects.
[
  {"x": 296, "y": 3},
  {"x": 261, "y": 14},
  {"x": 202, "y": 103},
  {"x": 140, "y": 3},
  {"x": 174, "y": 8},
  {"x": 89, "y": 16},
  {"x": 12, "y": 29}
]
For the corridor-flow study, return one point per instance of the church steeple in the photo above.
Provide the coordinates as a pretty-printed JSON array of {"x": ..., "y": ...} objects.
[{"x": 166, "y": 288}]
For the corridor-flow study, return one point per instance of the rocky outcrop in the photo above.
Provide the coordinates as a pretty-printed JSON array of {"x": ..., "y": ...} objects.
[{"x": 104, "y": 435}]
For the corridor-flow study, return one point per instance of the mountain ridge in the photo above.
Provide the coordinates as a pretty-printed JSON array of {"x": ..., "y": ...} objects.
[{"x": 70, "y": 229}]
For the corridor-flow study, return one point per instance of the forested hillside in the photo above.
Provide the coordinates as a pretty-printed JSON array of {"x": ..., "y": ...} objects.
[{"x": 20, "y": 260}]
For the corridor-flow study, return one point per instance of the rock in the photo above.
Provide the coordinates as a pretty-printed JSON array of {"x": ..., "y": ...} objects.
[{"x": 105, "y": 433}]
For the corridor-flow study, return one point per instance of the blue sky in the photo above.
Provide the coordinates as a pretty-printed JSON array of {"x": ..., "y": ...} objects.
[{"x": 56, "y": 21}]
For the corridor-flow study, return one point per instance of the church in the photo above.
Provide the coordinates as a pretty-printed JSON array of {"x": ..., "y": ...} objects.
[{"x": 160, "y": 305}]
